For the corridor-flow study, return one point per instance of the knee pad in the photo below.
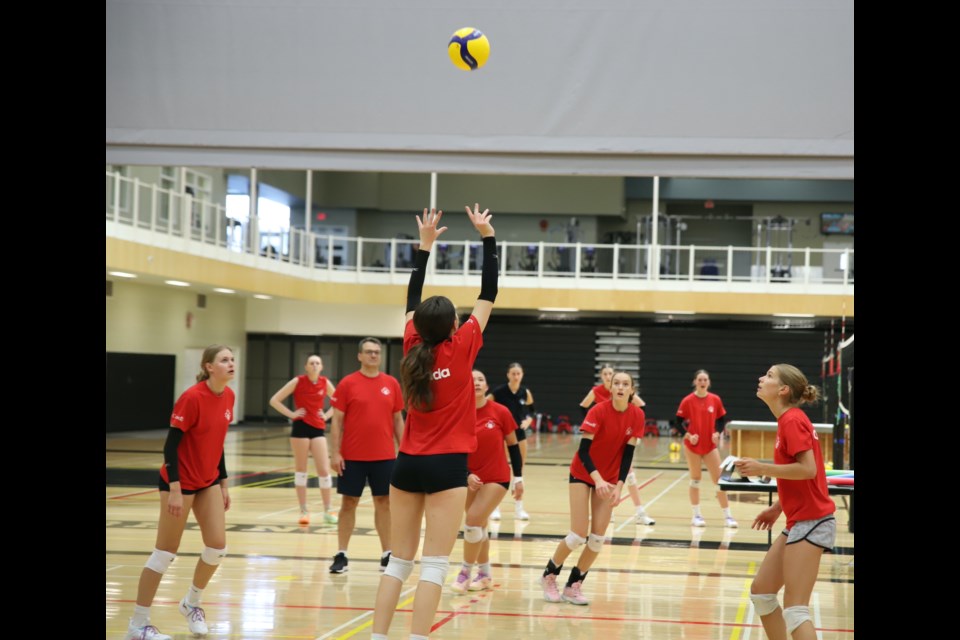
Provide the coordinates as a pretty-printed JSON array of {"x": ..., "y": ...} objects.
[
  {"x": 695, "y": 484},
  {"x": 764, "y": 603},
  {"x": 399, "y": 568},
  {"x": 796, "y": 616},
  {"x": 473, "y": 534},
  {"x": 159, "y": 561},
  {"x": 325, "y": 482},
  {"x": 213, "y": 556},
  {"x": 594, "y": 542},
  {"x": 434, "y": 569},
  {"x": 573, "y": 541},
  {"x": 300, "y": 478},
  {"x": 631, "y": 479}
]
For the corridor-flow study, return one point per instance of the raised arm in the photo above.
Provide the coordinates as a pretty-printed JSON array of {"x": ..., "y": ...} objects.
[
  {"x": 490, "y": 271},
  {"x": 428, "y": 235}
]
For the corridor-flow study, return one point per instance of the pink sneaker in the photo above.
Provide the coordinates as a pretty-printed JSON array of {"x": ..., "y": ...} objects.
[
  {"x": 550, "y": 591},
  {"x": 460, "y": 584},
  {"x": 573, "y": 595},
  {"x": 481, "y": 582}
]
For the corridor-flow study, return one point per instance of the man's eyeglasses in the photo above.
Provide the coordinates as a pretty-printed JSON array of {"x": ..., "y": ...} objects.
[{"x": 367, "y": 352}]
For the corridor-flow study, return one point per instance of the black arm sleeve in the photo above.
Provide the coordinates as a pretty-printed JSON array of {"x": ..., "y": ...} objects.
[
  {"x": 584, "y": 454},
  {"x": 490, "y": 271},
  {"x": 170, "y": 461},
  {"x": 583, "y": 413},
  {"x": 415, "y": 288},
  {"x": 721, "y": 423},
  {"x": 516, "y": 460},
  {"x": 531, "y": 411},
  {"x": 626, "y": 462},
  {"x": 223, "y": 466},
  {"x": 679, "y": 424}
]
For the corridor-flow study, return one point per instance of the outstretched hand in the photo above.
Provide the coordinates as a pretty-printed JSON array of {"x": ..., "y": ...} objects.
[
  {"x": 428, "y": 228},
  {"x": 481, "y": 221}
]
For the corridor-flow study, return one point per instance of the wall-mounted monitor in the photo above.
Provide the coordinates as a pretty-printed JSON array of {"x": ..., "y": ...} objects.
[{"x": 836, "y": 223}]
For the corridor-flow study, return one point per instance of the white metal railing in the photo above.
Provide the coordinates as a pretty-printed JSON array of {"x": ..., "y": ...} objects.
[{"x": 166, "y": 213}]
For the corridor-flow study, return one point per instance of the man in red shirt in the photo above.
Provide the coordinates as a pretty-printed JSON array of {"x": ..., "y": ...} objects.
[{"x": 367, "y": 421}]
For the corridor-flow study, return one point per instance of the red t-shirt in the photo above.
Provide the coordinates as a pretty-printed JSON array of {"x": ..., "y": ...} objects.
[
  {"x": 368, "y": 405},
  {"x": 203, "y": 416},
  {"x": 702, "y": 414},
  {"x": 448, "y": 425},
  {"x": 310, "y": 396},
  {"x": 611, "y": 430},
  {"x": 801, "y": 499},
  {"x": 494, "y": 424},
  {"x": 601, "y": 393}
]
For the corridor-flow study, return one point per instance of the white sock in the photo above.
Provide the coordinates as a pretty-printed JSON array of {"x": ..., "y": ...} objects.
[
  {"x": 385, "y": 554},
  {"x": 519, "y": 505},
  {"x": 141, "y": 617},
  {"x": 465, "y": 567},
  {"x": 193, "y": 596},
  {"x": 640, "y": 510},
  {"x": 726, "y": 512},
  {"x": 696, "y": 511},
  {"x": 485, "y": 568}
]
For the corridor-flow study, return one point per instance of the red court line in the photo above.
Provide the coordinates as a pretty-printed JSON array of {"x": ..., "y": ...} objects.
[
  {"x": 639, "y": 486},
  {"x": 454, "y": 614},
  {"x": 245, "y": 475},
  {"x": 463, "y": 612}
]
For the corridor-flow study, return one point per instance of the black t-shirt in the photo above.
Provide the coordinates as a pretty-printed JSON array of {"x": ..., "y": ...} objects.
[{"x": 516, "y": 402}]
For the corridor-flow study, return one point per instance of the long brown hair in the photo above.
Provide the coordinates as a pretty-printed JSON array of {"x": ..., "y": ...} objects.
[
  {"x": 433, "y": 319},
  {"x": 801, "y": 391},
  {"x": 209, "y": 355}
]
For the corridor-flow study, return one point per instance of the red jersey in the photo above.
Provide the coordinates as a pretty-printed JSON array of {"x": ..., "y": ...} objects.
[
  {"x": 801, "y": 499},
  {"x": 702, "y": 414},
  {"x": 611, "y": 430},
  {"x": 203, "y": 416},
  {"x": 310, "y": 396},
  {"x": 368, "y": 406},
  {"x": 601, "y": 393},
  {"x": 494, "y": 424},
  {"x": 447, "y": 426}
]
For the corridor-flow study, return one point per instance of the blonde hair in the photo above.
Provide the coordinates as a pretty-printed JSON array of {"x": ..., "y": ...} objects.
[
  {"x": 209, "y": 355},
  {"x": 801, "y": 391}
]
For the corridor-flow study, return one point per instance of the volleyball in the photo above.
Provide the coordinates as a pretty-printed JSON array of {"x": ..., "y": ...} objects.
[
  {"x": 674, "y": 446},
  {"x": 468, "y": 49}
]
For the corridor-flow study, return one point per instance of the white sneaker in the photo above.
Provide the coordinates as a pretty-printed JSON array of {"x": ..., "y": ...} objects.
[
  {"x": 196, "y": 618},
  {"x": 643, "y": 518},
  {"x": 520, "y": 514},
  {"x": 496, "y": 514},
  {"x": 730, "y": 522},
  {"x": 146, "y": 632},
  {"x": 698, "y": 521}
]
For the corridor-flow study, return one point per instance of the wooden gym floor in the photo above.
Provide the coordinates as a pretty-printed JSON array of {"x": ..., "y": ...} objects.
[{"x": 666, "y": 581}]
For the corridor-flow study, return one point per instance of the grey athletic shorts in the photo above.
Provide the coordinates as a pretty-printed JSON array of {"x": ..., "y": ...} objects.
[{"x": 822, "y": 532}]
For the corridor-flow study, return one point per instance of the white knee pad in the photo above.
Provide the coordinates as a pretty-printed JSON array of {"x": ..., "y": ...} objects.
[
  {"x": 325, "y": 482},
  {"x": 300, "y": 478},
  {"x": 434, "y": 569},
  {"x": 594, "y": 542},
  {"x": 213, "y": 556},
  {"x": 573, "y": 541},
  {"x": 631, "y": 479},
  {"x": 159, "y": 561},
  {"x": 473, "y": 534},
  {"x": 695, "y": 484},
  {"x": 399, "y": 568},
  {"x": 764, "y": 603},
  {"x": 796, "y": 616}
]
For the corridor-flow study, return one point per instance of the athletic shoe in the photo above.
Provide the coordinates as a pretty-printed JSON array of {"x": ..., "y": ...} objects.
[
  {"x": 481, "y": 582},
  {"x": 550, "y": 591},
  {"x": 460, "y": 584},
  {"x": 730, "y": 522},
  {"x": 698, "y": 521},
  {"x": 520, "y": 514},
  {"x": 147, "y": 632},
  {"x": 496, "y": 514},
  {"x": 196, "y": 619},
  {"x": 304, "y": 517},
  {"x": 384, "y": 561},
  {"x": 329, "y": 518},
  {"x": 339, "y": 563},
  {"x": 643, "y": 518},
  {"x": 573, "y": 595}
]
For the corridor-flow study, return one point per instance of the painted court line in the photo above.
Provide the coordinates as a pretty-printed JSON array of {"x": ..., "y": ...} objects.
[
  {"x": 366, "y": 624},
  {"x": 745, "y": 604},
  {"x": 650, "y": 502}
]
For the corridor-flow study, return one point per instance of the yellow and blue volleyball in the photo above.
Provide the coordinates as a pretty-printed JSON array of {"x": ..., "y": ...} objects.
[{"x": 468, "y": 49}]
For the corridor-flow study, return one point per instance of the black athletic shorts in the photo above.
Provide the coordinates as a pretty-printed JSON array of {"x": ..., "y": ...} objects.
[
  {"x": 357, "y": 473},
  {"x": 303, "y": 430},
  {"x": 164, "y": 486},
  {"x": 431, "y": 473}
]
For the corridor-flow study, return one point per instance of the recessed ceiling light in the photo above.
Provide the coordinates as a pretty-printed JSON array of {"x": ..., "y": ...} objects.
[
  {"x": 260, "y": 296},
  {"x": 559, "y": 309},
  {"x": 122, "y": 274},
  {"x": 177, "y": 283},
  {"x": 793, "y": 315},
  {"x": 677, "y": 313},
  {"x": 222, "y": 290}
]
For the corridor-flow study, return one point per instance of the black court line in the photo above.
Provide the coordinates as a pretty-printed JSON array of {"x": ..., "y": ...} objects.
[
  {"x": 159, "y": 453},
  {"x": 121, "y": 477}
]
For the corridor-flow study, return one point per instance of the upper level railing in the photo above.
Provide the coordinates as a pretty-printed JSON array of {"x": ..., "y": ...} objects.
[{"x": 163, "y": 212}]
